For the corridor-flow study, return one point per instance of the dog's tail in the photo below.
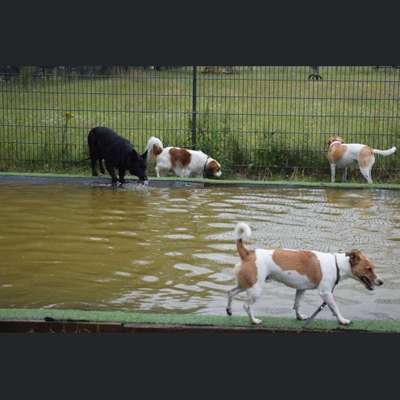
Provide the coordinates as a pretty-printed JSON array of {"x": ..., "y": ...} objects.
[
  {"x": 385, "y": 152},
  {"x": 242, "y": 231},
  {"x": 154, "y": 147}
]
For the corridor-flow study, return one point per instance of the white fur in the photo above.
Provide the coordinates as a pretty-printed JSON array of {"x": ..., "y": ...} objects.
[
  {"x": 385, "y": 153},
  {"x": 351, "y": 155},
  {"x": 242, "y": 231}
]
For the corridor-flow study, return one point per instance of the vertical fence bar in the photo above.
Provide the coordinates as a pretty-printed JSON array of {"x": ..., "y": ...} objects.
[{"x": 194, "y": 106}]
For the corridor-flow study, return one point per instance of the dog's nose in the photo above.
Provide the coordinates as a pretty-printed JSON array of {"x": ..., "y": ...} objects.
[{"x": 379, "y": 282}]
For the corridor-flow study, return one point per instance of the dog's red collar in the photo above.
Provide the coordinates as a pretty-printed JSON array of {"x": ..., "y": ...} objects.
[{"x": 335, "y": 141}]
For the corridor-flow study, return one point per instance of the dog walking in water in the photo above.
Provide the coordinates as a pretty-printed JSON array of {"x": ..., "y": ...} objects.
[
  {"x": 341, "y": 155},
  {"x": 299, "y": 269}
]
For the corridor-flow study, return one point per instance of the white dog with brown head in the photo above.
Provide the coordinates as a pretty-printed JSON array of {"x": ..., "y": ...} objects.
[
  {"x": 299, "y": 269},
  {"x": 341, "y": 155},
  {"x": 183, "y": 162}
]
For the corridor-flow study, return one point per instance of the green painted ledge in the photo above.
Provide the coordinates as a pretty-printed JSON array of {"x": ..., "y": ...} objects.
[
  {"x": 124, "y": 317},
  {"x": 225, "y": 182}
]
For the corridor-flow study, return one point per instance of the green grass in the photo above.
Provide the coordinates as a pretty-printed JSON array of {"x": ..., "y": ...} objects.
[
  {"x": 195, "y": 319},
  {"x": 259, "y": 122}
]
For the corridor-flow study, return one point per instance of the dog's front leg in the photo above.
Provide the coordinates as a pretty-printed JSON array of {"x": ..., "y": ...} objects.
[
  {"x": 330, "y": 301},
  {"x": 344, "y": 175},
  {"x": 111, "y": 171},
  {"x": 121, "y": 174},
  {"x": 297, "y": 299},
  {"x": 93, "y": 164},
  {"x": 333, "y": 172},
  {"x": 101, "y": 166}
]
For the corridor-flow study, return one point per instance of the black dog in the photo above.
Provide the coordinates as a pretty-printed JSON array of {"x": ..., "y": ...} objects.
[{"x": 117, "y": 152}]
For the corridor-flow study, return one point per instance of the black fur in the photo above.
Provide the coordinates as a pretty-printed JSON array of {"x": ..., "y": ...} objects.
[{"x": 117, "y": 152}]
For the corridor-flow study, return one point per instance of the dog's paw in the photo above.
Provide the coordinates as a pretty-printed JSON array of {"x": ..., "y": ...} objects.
[
  {"x": 301, "y": 317},
  {"x": 256, "y": 321},
  {"x": 229, "y": 311},
  {"x": 345, "y": 322}
]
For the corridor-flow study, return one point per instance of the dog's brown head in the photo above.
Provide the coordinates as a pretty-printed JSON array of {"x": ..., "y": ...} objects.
[
  {"x": 335, "y": 139},
  {"x": 362, "y": 269},
  {"x": 213, "y": 168}
]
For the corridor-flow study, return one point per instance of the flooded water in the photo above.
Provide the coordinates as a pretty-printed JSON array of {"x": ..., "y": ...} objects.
[{"x": 172, "y": 250}]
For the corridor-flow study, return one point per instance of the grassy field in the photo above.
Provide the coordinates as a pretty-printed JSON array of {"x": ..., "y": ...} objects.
[{"x": 258, "y": 121}]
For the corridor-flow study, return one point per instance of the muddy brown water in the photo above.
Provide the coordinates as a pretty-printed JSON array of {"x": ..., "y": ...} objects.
[{"x": 172, "y": 250}]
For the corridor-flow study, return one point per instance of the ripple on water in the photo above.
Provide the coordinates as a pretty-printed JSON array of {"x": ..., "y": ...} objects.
[
  {"x": 173, "y": 253},
  {"x": 221, "y": 277},
  {"x": 214, "y": 286},
  {"x": 179, "y": 236},
  {"x": 173, "y": 210},
  {"x": 150, "y": 278},
  {"x": 222, "y": 246},
  {"x": 141, "y": 262},
  {"x": 189, "y": 288},
  {"x": 223, "y": 205},
  {"x": 221, "y": 225},
  {"x": 193, "y": 269},
  {"x": 122, "y": 273},
  {"x": 127, "y": 233},
  {"x": 97, "y": 239},
  {"x": 220, "y": 258}
]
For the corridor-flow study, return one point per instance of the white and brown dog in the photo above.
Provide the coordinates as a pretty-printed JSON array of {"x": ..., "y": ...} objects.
[
  {"x": 341, "y": 155},
  {"x": 301, "y": 270},
  {"x": 183, "y": 162}
]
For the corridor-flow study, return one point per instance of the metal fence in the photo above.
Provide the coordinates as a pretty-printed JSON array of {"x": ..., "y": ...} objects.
[{"x": 253, "y": 119}]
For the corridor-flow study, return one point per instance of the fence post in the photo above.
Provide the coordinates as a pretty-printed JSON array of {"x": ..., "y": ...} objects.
[{"x": 194, "y": 105}]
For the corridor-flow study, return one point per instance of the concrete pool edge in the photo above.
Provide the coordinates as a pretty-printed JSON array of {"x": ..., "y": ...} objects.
[
  {"x": 60, "y": 320},
  {"x": 174, "y": 182}
]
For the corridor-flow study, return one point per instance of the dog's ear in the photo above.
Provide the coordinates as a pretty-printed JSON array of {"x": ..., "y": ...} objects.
[
  {"x": 134, "y": 155},
  {"x": 144, "y": 155},
  {"x": 354, "y": 256},
  {"x": 333, "y": 139}
]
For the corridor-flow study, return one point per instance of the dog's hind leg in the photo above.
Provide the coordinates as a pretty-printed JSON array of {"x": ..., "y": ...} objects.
[
  {"x": 231, "y": 294},
  {"x": 102, "y": 170},
  {"x": 93, "y": 165},
  {"x": 333, "y": 172},
  {"x": 297, "y": 299},
  {"x": 252, "y": 295},
  {"x": 330, "y": 301},
  {"x": 366, "y": 167}
]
